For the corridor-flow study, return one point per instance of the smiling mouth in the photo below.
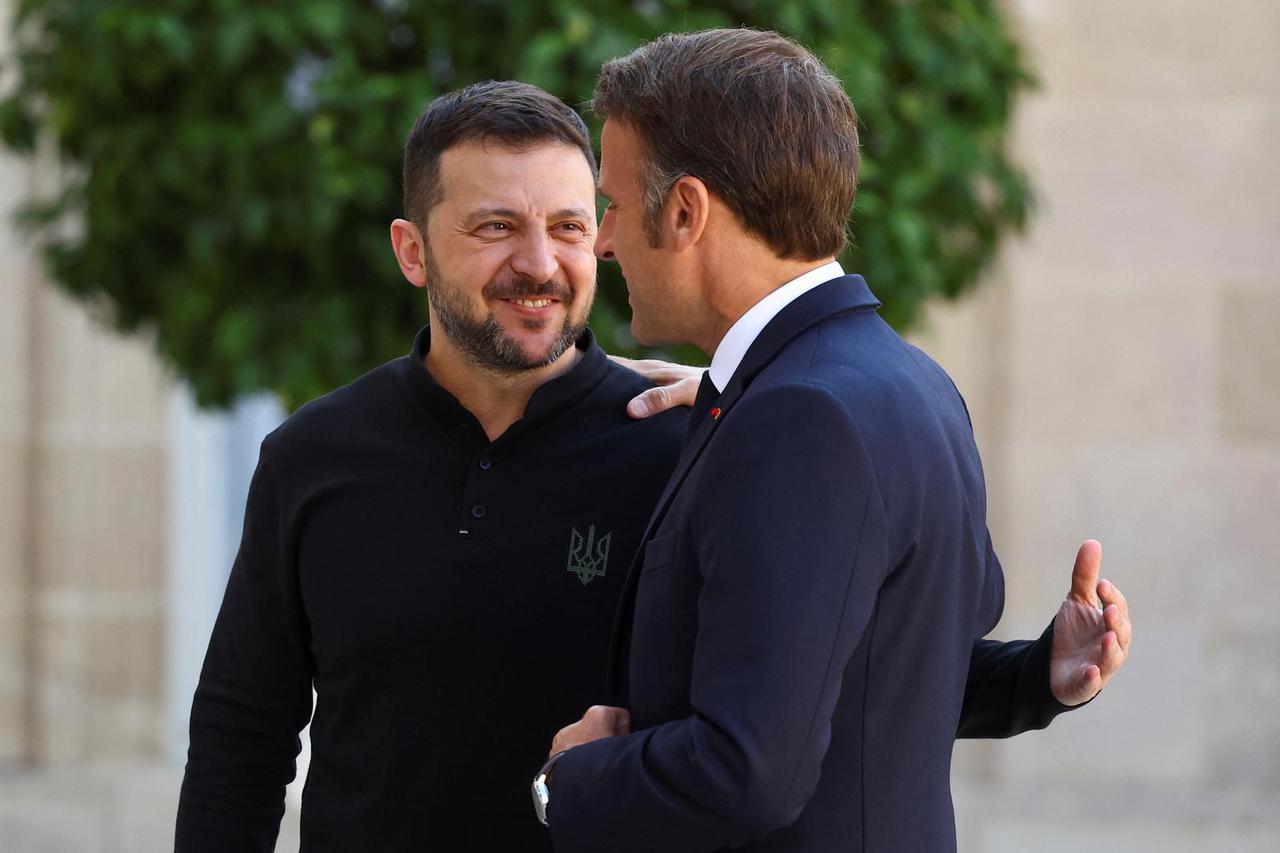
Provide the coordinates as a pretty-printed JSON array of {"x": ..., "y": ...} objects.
[{"x": 532, "y": 303}]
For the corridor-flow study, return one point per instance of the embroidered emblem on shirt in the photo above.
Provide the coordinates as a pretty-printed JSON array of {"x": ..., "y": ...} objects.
[{"x": 588, "y": 556}]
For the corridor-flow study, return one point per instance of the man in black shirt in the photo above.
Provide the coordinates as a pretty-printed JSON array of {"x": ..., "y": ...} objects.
[{"x": 438, "y": 548}]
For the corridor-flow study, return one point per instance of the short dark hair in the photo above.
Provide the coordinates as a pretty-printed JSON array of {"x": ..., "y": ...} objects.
[
  {"x": 515, "y": 114},
  {"x": 755, "y": 116}
]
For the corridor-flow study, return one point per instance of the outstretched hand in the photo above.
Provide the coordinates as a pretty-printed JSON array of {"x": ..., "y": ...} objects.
[
  {"x": 676, "y": 385},
  {"x": 1091, "y": 632}
]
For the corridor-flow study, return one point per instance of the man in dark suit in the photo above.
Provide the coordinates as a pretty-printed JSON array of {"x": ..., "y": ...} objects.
[{"x": 794, "y": 640}]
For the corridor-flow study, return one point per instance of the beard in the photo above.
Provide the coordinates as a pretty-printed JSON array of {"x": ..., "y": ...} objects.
[{"x": 483, "y": 341}]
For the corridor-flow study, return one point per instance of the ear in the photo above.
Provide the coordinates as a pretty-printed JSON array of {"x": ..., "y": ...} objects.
[
  {"x": 687, "y": 210},
  {"x": 410, "y": 250}
]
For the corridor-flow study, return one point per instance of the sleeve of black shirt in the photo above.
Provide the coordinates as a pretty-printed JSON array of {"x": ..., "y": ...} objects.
[
  {"x": 254, "y": 694},
  {"x": 1008, "y": 692}
]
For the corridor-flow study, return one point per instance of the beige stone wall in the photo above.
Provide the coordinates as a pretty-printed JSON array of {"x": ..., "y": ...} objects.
[
  {"x": 98, "y": 525},
  {"x": 84, "y": 455},
  {"x": 1124, "y": 371},
  {"x": 82, "y": 497},
  {"x": 15, "y": 391}
]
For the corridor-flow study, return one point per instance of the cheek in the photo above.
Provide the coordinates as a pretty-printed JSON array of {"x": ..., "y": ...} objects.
[
  {"x": 490, "y": 260},
  {"x": 628, "y": 235},
  {"x": 579, "y": 264}
]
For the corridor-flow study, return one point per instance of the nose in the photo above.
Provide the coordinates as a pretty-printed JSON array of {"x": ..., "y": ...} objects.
[
  {"x": 535, "y": 256},
  {"x": 604, "y": 237}
]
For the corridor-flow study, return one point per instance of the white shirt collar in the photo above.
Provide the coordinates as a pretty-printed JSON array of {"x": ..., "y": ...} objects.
[{"x": 743, "y": 333}]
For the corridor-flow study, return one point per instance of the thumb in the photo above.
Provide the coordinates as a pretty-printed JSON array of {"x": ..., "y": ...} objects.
[
  {"x": 650, "y": 403},
  {"x": 1084, "y": 576},
  {"x": 609, "y": 718}
]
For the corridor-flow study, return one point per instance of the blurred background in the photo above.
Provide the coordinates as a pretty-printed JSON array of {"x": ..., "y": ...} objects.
[{"x": 1071, "y": 206}]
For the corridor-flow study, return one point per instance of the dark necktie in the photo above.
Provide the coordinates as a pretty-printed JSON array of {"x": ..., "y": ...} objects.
[{"x": 707, "y": 394}]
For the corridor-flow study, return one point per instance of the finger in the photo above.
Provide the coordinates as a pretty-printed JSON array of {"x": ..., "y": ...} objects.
[
  {"x": 1115, "y": 619},
  {"x": 601, "y": 716},
  {"x": 650, "y": 368},
  {"x": 560, "y": 742},
  {"x": 1112, "y": 655},
  {"x": 1083, "y": 687},
  {"x": 1090, "y": 684},
  {"x": 622, "y": 722},
  {"x": 1084, "y": 575},
  {"x": 657, "y": 371},
  {"x": 655, "y": 400},
  {"x": 598, "y": 722},
  {"x": 607, "y": 717},
  {"x": 685, "y": 392},
  {"x": 650, "y": 402},
  {"x": 1111, "y": 594}
]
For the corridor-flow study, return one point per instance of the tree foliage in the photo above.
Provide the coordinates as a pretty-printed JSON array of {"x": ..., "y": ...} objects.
[{"x": 229, "y": 167}]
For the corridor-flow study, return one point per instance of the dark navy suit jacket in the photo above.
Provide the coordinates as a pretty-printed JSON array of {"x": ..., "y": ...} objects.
[{"x": 802, "y": 618}]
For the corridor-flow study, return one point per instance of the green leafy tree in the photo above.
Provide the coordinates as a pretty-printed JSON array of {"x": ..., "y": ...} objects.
[{"x": 230, "y": 166}]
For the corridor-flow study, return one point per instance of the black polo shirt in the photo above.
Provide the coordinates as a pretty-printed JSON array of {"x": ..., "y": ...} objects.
[{"x": 450, "y": 598}]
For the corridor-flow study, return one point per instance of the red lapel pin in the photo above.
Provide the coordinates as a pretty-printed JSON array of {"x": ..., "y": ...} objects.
[{"x": 715, "y": 413}]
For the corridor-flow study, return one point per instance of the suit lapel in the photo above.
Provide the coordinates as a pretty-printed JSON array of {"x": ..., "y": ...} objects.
[
  {"x": 838, "y": 296},
  {"x": 827, "y": 300}
]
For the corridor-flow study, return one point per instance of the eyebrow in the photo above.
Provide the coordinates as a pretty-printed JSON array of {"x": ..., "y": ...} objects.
[
  {"x": 572, "y": 212},
  {"x": 478, "y": 216},
  {"x": 508, "y": 213}
]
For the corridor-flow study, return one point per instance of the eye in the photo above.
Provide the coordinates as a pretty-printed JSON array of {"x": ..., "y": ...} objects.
[
  {"x": 495, "y": 226},
  {"x": 573, "y": 226}
]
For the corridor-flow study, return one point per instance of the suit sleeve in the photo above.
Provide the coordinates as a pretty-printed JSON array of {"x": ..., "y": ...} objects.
[
  {"x": 253, "y": 697},
  {"x": 1007, "y": 692},
  {"x": 791, "y": 543}
]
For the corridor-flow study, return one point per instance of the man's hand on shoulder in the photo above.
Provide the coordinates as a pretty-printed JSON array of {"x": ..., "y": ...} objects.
[
  {"x": 676, "y": 385},
  {"x": 600, "y": 721},
  {"x": 1091, "y": 632}
]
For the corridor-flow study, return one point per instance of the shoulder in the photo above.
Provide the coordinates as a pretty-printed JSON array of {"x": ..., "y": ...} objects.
[
  {"x": 597, "y": 425},
  {"x": 895, "y": 396},
  {"x": 790, "y": 411},
  {"x": 860, "y": 359},
  {"x": 618, "y": 387},
  {"x": 374, "y": 402},
  {"x": 623, "y": 381}
]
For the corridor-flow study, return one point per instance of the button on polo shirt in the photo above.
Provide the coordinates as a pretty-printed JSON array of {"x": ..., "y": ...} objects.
[{"x": 487, "y": 504}]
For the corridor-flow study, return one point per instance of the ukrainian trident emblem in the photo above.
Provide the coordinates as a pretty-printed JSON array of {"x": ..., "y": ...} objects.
[{"x": 588, "y": 557}]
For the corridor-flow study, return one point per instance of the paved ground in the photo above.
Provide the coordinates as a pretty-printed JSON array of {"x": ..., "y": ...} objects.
[
  {"x": 118, "y": 809},
  {"x": 130, "y": 809}
]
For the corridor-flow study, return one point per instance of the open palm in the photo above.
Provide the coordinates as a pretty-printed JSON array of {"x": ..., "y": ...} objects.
[{"x": 1091, "y": 632}]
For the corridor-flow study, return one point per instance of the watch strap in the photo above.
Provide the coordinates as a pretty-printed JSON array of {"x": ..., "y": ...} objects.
[{"x": 542, "y": 793}]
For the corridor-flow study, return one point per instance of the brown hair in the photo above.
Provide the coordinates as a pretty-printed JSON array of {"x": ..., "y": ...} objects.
[
  {"x": 516, "y": 114},
  {"x": 752, "y": 114}
]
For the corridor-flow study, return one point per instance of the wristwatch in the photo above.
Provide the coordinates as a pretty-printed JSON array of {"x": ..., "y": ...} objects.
[{"x": 541, "y": 794}]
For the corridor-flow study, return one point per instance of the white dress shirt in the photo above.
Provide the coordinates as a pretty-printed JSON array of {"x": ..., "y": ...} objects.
[{"x": 743, "y": 333}]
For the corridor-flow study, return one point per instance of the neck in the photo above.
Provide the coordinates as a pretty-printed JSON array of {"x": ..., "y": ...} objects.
[
  {"x": 731, "y": 289},
  {"x": 496, "y": 398}
]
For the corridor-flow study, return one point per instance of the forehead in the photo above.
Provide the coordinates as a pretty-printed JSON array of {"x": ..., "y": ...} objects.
[
  {"x": 537, "y": 177},
  {"x": 619, "y": 153}
]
